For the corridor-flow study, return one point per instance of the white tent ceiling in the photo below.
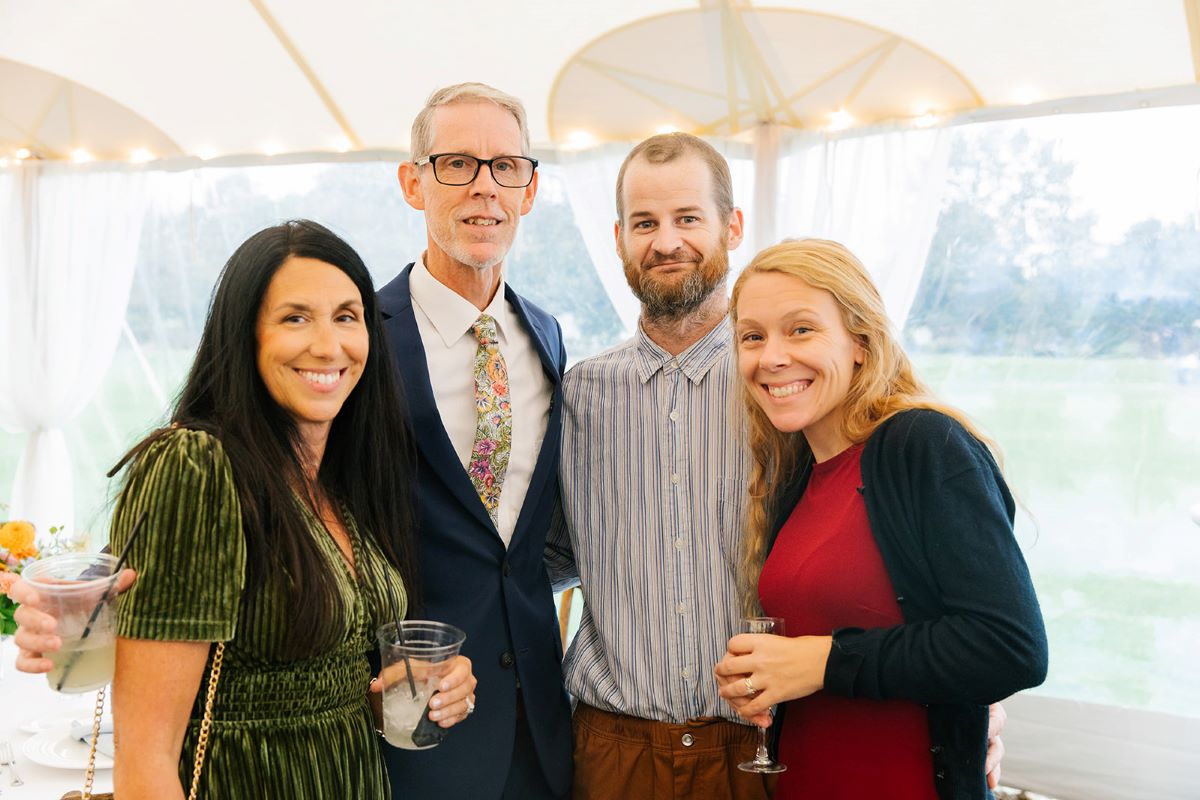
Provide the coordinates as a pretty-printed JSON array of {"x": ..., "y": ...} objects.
[{"x": 251, "y": 76}]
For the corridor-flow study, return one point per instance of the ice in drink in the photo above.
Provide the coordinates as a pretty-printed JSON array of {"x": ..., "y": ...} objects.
[
  {"x": 402, "y": 713},
  {"x": 415, "y": 658}
]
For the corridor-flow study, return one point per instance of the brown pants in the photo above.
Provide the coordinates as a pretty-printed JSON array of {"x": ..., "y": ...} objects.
[{"x": 628, "y": 758}]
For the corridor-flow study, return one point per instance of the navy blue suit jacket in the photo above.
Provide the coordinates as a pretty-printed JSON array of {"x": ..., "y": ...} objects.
[{"x": 500, "y": 597}]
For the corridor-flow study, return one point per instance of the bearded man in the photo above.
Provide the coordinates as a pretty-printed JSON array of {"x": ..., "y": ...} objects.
[{"x": 652, "y": 485}]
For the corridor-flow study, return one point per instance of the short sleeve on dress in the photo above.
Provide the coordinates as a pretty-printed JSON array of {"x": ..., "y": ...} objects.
[{"x": 191, "y": 554}]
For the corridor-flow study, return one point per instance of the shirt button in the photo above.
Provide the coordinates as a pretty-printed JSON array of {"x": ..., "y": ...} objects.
[
  {"x": 681, "y": 608},
  {"x": 679, "y": 544},
  {"x": 674, "y": 477},
  {"x": 687, "y": 740},
  {"x": 674, "y": 416}
]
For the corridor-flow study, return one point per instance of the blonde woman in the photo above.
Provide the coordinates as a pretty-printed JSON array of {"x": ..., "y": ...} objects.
[{"x": 880, "y": 529}]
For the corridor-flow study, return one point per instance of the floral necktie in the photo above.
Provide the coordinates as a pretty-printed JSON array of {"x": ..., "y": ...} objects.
[{"x": 493, "y": 425}]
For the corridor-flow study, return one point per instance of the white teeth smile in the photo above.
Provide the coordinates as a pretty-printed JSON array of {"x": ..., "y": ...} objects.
[
  {"x": 322, "y": 378},
  {"x": 789, "y": 390},
  {"x": 481, "y": 221}
]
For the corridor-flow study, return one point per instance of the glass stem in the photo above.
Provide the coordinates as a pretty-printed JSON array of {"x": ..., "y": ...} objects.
[{"x": 762, "y": 756}]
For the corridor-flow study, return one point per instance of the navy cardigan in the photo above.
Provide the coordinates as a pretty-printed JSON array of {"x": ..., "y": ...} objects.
[{"x": 942, "y": 517}]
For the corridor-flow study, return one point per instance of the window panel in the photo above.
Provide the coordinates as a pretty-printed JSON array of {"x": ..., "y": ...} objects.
[{"x": 1060, "y": 306}]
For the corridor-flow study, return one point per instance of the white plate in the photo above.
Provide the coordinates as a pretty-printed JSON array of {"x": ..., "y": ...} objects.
[
  {"x": 54, "y": 721},
  {"x": 55, "y": 748}
]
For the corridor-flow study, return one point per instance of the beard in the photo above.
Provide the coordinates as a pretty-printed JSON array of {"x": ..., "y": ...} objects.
[{"x": 673, "y": 297}]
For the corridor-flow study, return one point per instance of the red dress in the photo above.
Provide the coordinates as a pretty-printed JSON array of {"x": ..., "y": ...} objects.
[{"x": 825, "y": 572}]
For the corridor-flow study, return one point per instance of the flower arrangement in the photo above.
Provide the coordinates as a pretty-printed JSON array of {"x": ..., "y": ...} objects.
[{"x": 17, "y": 550}]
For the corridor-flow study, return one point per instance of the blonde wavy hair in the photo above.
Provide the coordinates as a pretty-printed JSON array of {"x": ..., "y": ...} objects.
[{"x": 881, "y": 387}]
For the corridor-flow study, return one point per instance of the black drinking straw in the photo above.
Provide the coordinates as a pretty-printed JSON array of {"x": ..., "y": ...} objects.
[
  {"x": 412, "y": 686},
  {"x": 87, "y": 629}
]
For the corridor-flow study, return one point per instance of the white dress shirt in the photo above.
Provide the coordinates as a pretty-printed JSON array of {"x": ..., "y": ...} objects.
[{"x": 444, "y": 319}]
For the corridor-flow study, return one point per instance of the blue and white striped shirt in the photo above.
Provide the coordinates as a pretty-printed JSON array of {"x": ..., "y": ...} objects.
[{"x": 653, "y": 474}]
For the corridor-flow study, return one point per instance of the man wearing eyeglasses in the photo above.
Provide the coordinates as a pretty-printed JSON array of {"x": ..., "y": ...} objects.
[{"x": 481, "y": 369}]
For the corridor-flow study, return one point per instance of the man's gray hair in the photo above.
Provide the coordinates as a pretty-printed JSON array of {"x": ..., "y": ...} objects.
[{"x": 422, "y": 130}]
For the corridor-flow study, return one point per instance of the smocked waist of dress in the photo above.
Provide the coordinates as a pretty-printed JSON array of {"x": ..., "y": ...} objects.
[{"x": 324, "y": 686}]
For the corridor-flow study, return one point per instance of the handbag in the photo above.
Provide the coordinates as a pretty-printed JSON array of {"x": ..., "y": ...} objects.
[{"x": 201, "y": 740}]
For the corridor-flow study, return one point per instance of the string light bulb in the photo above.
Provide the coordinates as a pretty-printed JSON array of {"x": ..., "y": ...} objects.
[
  {"x": 840, "y": 120},
  {"x": 1024, "y": 96},
  {"x": 580, "y": 139}
]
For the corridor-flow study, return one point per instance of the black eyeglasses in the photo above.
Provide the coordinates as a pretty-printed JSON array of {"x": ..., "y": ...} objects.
[{"x": 458, "y": 169}]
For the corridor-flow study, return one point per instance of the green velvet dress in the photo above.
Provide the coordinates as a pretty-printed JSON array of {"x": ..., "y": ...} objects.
[{"x": 281, "y": 728}]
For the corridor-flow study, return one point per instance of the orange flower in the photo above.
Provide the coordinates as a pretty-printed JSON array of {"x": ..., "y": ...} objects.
[{"x": 17, "y": 538}]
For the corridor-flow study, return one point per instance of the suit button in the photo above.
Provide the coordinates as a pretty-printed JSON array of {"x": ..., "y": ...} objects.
[
  {"x": 507, "y": 660},
  {"x": 937, "y": 748},
  {"x": 899, "y": 598},
  {"x": 688, "y": 740},
  {"x": 507, "y": 568},
  {"x": 940, "y": 774}
]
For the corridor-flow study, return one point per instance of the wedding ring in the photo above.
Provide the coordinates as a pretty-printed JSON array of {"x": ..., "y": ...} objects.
[
  {"x": 750, "y": 690},
  {"x": 470, "y": 707}
]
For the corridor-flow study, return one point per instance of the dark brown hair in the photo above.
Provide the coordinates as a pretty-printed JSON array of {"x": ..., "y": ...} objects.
[{"x": 368, "y": 464}]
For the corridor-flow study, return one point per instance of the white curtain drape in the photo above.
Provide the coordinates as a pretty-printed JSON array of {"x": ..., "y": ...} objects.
[
  {"x": 67, "y": 253},
  {"x": 590, "y": 177},
  {"x": 879, "y": 194}
]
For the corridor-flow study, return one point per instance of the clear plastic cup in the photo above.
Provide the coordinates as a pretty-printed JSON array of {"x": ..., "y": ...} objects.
[
  {"x": 71, "y": 588},
  {"x": 423, "y": 650}
]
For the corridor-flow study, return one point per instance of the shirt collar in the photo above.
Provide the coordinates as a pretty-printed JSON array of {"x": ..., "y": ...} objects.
[
  {"x": 695, "y": 362},
  {"x": 450, "y": 313}
]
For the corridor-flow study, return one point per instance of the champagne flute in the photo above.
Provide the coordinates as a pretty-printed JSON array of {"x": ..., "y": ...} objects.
[{"x": 762, "y": 759}]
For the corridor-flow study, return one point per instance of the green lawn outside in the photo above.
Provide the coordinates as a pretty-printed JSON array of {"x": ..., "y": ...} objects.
[{"x": 1105, "y": 457}]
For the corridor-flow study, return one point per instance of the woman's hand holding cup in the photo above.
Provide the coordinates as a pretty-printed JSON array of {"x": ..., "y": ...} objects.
[{"x": 37, "y": 631}]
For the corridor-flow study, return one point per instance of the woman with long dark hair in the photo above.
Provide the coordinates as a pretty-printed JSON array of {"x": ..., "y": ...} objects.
[
  {"x": 277, "y": 521},
  {"x": 880, "y": 528}
]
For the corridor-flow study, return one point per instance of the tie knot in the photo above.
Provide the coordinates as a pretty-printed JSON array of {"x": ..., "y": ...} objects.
[{"x": 485, "y": 329}]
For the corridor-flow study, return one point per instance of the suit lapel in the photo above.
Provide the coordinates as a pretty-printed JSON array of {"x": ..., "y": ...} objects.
[
  {"x": 547, "y": 464},
  {"x": 541, "y": 337},
  {"x": 427, "y": 428}
]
